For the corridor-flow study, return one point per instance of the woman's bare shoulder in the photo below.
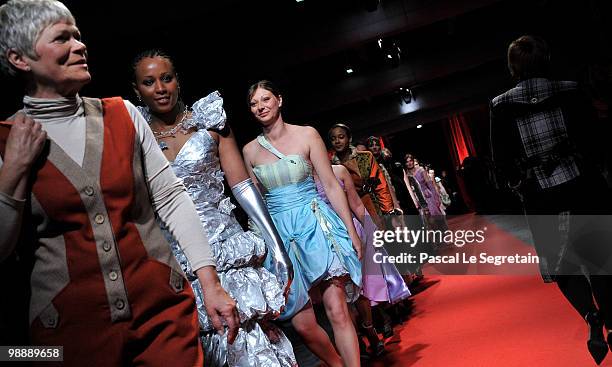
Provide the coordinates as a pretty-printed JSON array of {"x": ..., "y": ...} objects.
[
  {"x": 306, "y": 130},
  {"x": 250, "y": 148},
  {"x": 339, "y": 170}
]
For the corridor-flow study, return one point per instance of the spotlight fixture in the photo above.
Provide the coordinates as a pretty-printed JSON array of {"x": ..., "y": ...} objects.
[
  {"x": 405, "y": 95},
  {"x": 350, "y": 62},
  {"x": 391, "y": 51},
  {"x": 419, "y": 126}
]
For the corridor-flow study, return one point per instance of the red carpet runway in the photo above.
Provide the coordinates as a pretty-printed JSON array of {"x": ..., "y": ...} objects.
[{"x": 490, "y": 320}]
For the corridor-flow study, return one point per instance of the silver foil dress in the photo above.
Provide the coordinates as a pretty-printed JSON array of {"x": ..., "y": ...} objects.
[{"x": 238, "y": 254}]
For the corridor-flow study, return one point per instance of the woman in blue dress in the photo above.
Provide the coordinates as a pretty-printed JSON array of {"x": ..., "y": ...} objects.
[{"x": 323, "y": 246}]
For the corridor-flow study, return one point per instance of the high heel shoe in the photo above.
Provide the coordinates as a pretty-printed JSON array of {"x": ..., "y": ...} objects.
[{"x": 596, "y": 344}]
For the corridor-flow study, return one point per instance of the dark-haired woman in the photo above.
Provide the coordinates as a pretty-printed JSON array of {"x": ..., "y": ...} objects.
[
  {"x": 369, "y": 179},
  {"x": 379, "y": 285},
  {"x": 202, "y": 151}
]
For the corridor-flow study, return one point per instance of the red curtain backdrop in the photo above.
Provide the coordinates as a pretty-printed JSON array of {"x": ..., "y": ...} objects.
[
  {"x": 461, "y": 137},
  {"x": 461, "y": 146}
]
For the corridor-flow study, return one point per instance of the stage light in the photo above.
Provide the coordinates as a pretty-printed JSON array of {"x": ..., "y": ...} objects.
[
  {"x": 349, "y": 70},
  {"x": 419, "y": 126},
  {"x": 406, "y": 95},
  {"x": 391, "y": 51},
  {"x": 407, "y": 101}
]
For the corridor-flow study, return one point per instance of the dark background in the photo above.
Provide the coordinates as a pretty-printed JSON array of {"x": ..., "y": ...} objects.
[{"x": 452, "y": 57}]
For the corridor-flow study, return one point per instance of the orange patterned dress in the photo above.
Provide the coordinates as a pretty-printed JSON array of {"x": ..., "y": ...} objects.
[{"x": 370, "y": 183}]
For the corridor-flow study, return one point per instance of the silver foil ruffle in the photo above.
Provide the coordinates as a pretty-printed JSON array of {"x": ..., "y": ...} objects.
[
  {"x": 252, "y": 348},
  {"x": 208, "y": 113},
  {"x": 242, "y": 249},
  {"x": 256, "y": 291}
]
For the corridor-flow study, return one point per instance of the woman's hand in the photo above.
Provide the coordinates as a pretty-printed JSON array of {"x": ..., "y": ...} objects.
[
  {"x": 356, "y": 244},
  {"x": 25, "y": 141},
  {"x": 24, "y": 144},
  {"x": 219, "y": 305}
]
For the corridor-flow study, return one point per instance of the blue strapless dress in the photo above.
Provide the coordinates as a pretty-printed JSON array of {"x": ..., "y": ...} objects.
[{"x": 314, "y": 236}]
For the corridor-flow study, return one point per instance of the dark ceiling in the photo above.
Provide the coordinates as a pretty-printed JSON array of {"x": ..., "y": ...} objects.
[{"x": 452, "y": 52}]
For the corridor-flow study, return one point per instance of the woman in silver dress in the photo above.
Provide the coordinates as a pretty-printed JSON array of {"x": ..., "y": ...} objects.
[{"x": 202, "y": 150}]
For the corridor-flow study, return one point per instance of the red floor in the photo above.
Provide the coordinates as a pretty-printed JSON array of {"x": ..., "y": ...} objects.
[{"x": 490, "y": 320}]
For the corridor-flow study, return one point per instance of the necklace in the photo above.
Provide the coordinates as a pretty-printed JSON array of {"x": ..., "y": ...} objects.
[{"x": 180, "y": 126}]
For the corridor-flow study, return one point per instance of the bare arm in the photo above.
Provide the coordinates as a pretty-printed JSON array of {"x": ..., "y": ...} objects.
[
  {"x": 231, "y": 160},
  {"x": 337, "y": 198},
  {"x": 354, "y": 201},
  {"x": 413, "y": 196},
  {"x": 249, "y": 152}
]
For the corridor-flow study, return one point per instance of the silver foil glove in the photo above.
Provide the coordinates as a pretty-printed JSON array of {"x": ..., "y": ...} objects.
[{"x": 252, "y": 203}]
